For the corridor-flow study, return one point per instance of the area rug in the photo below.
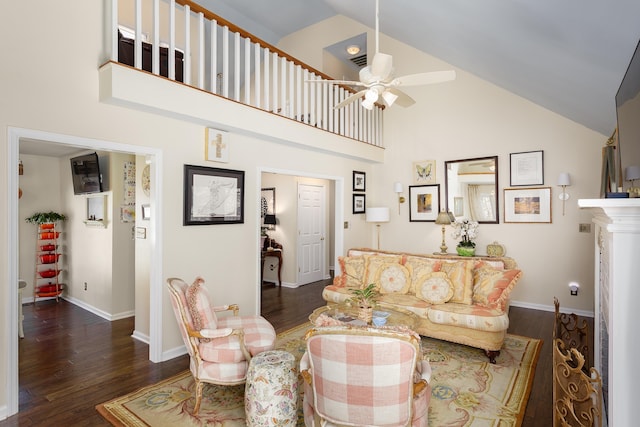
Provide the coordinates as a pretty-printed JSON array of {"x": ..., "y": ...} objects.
[{"x": 467, "y": 390}]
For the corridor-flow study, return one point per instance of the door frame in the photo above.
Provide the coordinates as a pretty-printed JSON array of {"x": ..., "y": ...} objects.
[
  {"x": 14, "y": 135},
  {"x": 338, "y": 214}
]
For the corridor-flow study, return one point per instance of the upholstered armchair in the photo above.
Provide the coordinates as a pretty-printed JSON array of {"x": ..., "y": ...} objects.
[
  {"x": 365, "y": 377},
  {"x": 220, "y": 348}
]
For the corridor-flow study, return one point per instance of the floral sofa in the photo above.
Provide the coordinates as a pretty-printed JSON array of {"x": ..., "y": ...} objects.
[{"x": 458, "y": 299}]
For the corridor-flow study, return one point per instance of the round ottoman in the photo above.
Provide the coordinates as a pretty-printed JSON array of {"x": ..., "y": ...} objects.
[{"x": 271, "y": 390}]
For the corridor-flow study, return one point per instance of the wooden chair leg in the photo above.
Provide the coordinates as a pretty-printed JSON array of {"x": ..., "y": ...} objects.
[{"x": 199, "y": 387}]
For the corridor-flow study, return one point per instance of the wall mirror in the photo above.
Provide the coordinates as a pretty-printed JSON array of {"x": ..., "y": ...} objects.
[{"x": 471, "y": 188}]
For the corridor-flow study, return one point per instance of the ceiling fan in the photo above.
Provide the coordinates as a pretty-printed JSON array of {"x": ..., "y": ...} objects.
[{"x": 378, "y": 80}]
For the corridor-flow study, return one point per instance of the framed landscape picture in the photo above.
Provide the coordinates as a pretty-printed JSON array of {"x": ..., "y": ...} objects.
[
  {"x": 527, "y": 205},
  {"x": 424, "y": 202}
]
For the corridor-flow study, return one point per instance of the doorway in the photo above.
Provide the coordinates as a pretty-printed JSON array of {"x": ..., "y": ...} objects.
[{"x": 53, "y": 141}]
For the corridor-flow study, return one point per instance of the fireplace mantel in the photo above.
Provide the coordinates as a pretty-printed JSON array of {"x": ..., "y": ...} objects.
[{"x": 617, "y": 298}]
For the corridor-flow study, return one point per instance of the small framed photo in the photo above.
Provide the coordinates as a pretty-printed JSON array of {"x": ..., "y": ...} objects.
[
  {"x": 359, "y": 205},
  {"x": 216, "y": 145},
  {"x": 213, "y": 196},
  {"x": 527, "y": 205},
  {"x": 359, "y": 181},
  {"x": 146, "y": 212},
  {"x": 527, "y": 168},
  {"x": 424, "y": 202},
  {"x": 127, "y": 213},
  {"x": 424, "y": 172}
]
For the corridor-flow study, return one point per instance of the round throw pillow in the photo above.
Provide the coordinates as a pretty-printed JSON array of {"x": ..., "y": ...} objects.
[
  {"x": 393, "y": 278},
  {"x": 434, "y": 288}
]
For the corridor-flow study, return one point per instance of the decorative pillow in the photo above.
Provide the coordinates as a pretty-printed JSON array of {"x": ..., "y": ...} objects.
[
  {"x": 434, "y": 288},
  {"x": 491, "y": 287},
  {"x": 393, "y": 278},
  {"x": 461, "y": 275},
  {"x": 352, "y": 268},
  {"x": 202, "y": 314},
  {"x": 419, "y": 267},
  {"x": 372, "y": 263}
]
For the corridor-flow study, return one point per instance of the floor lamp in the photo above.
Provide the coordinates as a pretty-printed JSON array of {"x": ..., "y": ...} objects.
[{"x": 377, "y": 215}]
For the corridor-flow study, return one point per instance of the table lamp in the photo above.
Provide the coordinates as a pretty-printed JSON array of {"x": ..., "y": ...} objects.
[
  {"x": 269, "y": 221},
  {"x": 444, "y": 218}
]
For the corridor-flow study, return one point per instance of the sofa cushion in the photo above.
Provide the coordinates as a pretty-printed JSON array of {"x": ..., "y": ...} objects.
[
  {"x": 352, "y": 268},
  {"x": 393, "y": 278},
  {"x": 461, "y": 275},
  {"x": 373, "y": 263},
  {"x": 491, "y": 287},
  {"x": 469, "y": 316},
  {"x": 418, "y": 267},
  {"x": 434, "y": 288}
]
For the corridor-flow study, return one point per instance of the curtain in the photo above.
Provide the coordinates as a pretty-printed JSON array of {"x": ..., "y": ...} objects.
[{"x": 481, "y": 202}]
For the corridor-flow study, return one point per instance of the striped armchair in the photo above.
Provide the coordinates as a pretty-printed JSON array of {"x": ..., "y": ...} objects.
[
  {"x": 365, "y": 377},
  {"x": 220, "y": 348}
]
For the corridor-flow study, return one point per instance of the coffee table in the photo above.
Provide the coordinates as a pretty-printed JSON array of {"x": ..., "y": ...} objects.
[{"x": 348, "y": 314}]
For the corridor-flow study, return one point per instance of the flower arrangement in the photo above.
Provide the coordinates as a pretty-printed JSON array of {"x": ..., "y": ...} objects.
[{"x": 465, "y": 230}]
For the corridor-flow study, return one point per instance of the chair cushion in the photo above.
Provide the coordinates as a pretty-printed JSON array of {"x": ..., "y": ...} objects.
[
  {"x": 202, "y": 313},
  {"x": 259, "y": 336}
]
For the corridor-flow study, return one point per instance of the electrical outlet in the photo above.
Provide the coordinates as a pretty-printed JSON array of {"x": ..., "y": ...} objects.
[
  {"x": 85, "y": 286},
  {"x": 574, "y": 293},
  {"x": 584, "y": 228}
]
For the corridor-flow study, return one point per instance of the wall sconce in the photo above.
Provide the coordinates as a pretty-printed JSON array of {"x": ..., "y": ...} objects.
[
  {"x": 444, "y": 218},
  {"x": 573, "y": 288},
  {"x": 377, "y": 215},
  {"x": 397, "y": 187},
  {"x": 631, "y": 173},
  {"x": 564, "y": 180}
]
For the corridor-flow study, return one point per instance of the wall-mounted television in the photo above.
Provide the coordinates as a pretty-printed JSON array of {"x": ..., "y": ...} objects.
[
  {"x": 628, "y": 114},
  {"x": 85, "y": 172}
]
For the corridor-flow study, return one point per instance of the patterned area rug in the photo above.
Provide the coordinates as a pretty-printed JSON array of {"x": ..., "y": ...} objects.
[{"x": 466, "y": 389}]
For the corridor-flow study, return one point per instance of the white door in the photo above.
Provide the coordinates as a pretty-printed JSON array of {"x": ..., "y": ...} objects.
[{"x": 311, "y": 233}]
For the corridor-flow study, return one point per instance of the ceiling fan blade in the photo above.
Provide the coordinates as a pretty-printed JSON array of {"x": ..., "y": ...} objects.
[
  {"x": 403, "y": 99},
  {"x": 424, "y": 78},
  {"x": 350, "y": 99},
  {"x": 381, "y": 66},
  {"x": 337, "y": 82}
]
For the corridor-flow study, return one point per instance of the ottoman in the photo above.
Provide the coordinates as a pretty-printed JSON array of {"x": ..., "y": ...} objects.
[{"x": 271, "y": 390}]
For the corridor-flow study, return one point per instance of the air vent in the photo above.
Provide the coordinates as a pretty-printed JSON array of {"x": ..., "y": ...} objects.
[{"x": 360, "y": 61}]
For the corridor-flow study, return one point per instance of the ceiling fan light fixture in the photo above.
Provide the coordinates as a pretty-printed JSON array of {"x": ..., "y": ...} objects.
[
  {"x": 353, "y": 49},
  {"x": 370, "y": 98},
  {"x": 389, "y": 98}
]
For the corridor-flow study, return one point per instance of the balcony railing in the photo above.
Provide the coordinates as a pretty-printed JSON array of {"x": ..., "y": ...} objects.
[{"x": 185, "y": 42}]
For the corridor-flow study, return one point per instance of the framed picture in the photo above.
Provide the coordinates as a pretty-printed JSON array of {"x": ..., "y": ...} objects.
[
  {"x": 359, "y": 203},
  {"x": 424, "y": 202},
  {"x": 146, "y": 212},
  {"x": 213, "y": 196},
  {"x": 424, "y": 172},
  {"x": 267, "y": 205},
  {"x": 359, "y": 181},
  {"x": 527, "y": 168},
  {"x": 216, "y": 145},
  {"x": 127, "y": 213},
  {"x": 527, "y": 204}
]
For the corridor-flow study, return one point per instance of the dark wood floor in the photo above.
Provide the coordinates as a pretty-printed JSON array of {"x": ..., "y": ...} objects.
[{"x": 72, "y": 360}]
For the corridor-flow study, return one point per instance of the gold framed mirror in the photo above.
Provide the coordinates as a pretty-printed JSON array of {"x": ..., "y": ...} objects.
[{"x": 471, "y": 189}]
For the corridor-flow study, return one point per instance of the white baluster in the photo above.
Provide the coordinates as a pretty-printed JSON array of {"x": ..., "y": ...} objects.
[
  {"x": 290, "y": 99},
  {"x": 186, "y": 59},
  {"x": 155, "y": 48},
  {"x": 258, "y": 77},
  {"x": 306, "y": 97},
  {"x": 213, "y": 78},
  {"x": 247, "y": 71},
  {"x": 236, "y": 68},
  {"x": 274, "y": 83},
  {"x": 201, "y": 50},
  {"x": 284, "y": 102},
  {"x": 172, "y": 40},
  {"x": 137, "y": 57},
  {"x": 114, "y": 30},
  {"x": 225, "y": 61}
]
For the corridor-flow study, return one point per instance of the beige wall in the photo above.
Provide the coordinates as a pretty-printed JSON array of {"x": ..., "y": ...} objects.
[{"x": 55, "y": 89}]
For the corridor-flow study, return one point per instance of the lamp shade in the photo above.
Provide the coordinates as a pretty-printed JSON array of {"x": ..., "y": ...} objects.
[
  {"x": 631, "y": 173},
  {"x": 377, "y": 215},
  {"x": 443, "y": 218},
  {"x": 564, "y": 179},
  {"x": 270, "y": 219},
  {"x": 397, "y": 187}
]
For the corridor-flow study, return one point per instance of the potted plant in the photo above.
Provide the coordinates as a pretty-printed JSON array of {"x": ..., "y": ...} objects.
[
  {"x": 465, "y": 230},
  {"x": 365, "y": 299},
  {"x": 45, "y": 218}
]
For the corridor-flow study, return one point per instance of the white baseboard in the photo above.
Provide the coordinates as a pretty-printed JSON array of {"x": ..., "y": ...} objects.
[
  {"x": 3, "y": 412},
  {"x": 108, "y": 316},
  {"x": 543, "y": 307},
  {"x": 173, "y": 353},
  {"x": 141, "y": 337}
]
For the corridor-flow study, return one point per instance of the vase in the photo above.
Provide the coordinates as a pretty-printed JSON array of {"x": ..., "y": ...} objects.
[
  {"x": 466, "y": 250},
  {"x": 365, "y": 313}
]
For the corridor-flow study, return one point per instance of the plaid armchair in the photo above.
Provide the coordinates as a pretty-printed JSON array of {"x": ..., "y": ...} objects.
[
  {"x": 364, "y": 377},
  {"x": 220, "y": 348}
]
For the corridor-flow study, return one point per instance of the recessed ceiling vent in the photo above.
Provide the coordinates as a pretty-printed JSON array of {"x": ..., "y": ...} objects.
[{"x": 360, "y": 61}]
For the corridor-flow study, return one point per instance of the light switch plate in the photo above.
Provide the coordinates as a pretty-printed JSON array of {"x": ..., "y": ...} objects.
[{"x": 584, "y": 228}]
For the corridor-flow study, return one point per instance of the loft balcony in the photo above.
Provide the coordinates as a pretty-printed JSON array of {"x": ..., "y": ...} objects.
[{"x": 174, "y": 57}]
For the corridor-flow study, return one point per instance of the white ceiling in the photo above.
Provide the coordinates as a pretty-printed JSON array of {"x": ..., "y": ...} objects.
[{"x": 566, "y": 55}]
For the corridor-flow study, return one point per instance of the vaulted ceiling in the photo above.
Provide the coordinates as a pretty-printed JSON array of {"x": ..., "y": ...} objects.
[{"x": 568, "y": 56}]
